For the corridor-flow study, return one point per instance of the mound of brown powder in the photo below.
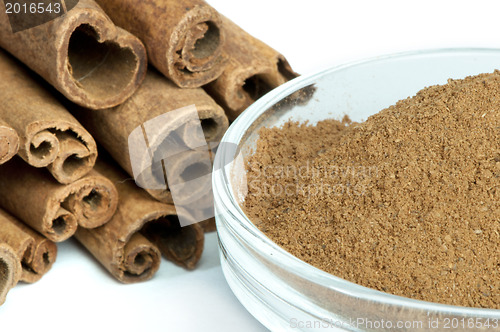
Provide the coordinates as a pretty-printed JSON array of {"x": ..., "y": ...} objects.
[{"x": 407, "y": 202}]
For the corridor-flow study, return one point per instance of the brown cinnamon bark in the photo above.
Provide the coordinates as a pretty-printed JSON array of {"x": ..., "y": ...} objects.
[
  {"x": 253, "y": 69},
  {"x": 82, "y": 54},
  {"x": 55, "y": 210},
  {"x": 10, "y": 270},
  {"x": 9, "y": 142},
  {"x": 129, "y": 244},
  {"x": 36, "y": 253},
  {"x": 49, "y": 135},
  {"x": 208, "y": 225},
  {"x": 183, "y": 39},
  {"x": 156, "y": 97}
]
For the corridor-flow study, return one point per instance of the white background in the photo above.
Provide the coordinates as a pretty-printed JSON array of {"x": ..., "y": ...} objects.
[{"x": 79, "y": 295}]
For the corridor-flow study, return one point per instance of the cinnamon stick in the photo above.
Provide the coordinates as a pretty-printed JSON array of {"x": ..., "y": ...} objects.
[
  {"x": 129, "y": 245},
  {"x": 183, "y": 39},
  {"x": 81, "y": 53},
  {"x": 158, "y": 109},
  {"x": 36, "y": 253},
  {"x": 49, "y": 135},
  {"x": 208, "y": 225},
  {"x": 253, "y": 69},
  {"x": 10, "y": 270},
  {"x": 55, "y": 210},
  {"x": 9, "y": 142}
]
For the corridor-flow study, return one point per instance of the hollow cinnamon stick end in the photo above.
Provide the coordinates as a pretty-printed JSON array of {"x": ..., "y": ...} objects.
[
  {"x": 104, "y": 64},
  {"x": 96, "y": 204},
  {"x": 186, "y": 80},
  {"x": 63, "y": 146},
  {"x": 141, "y": 260},
  {"x": 61, "y": 227},
  {"x": 44, "y": 256},
  {"x": 10, "y": 270},
  {"x": 73, "y": 166},
  {"x": 195, "y": 54},
  {"x": 214, "y": 123},
  {"x": 236, "y": 89}
]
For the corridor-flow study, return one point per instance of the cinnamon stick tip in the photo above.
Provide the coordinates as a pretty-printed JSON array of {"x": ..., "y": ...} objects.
[
  {"x": 98, "y": 205},
  {"x": 61, "y": 227},
  {"x": 195, "y": 54},
  {"x": 141, "y": 261},
  {"x": 70, "y": 168},
  {"x": 44, "y": 256},
  {"x": 100, "y": 65}
]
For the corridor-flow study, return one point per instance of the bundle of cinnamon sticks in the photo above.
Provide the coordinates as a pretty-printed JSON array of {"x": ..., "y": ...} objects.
[{"x": 96, "y": 145}]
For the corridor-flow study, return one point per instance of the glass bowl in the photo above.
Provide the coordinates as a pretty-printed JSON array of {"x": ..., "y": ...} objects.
[{"x": 283, "y": 292}]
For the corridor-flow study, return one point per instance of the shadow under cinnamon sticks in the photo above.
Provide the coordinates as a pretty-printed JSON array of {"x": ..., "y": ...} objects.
[{"x": 130, "y": 245}]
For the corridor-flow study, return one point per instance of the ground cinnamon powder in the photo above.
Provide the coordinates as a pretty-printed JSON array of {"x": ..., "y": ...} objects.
[{"x": 407, "y": 202}]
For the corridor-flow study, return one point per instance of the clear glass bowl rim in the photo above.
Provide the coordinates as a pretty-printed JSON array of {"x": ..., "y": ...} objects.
[{"x": 225, "y": 199}]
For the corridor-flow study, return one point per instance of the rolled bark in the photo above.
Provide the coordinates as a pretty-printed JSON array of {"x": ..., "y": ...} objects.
[
  {"x": 36, "y": 253},
  {"x": 49, "y": 135},
  {"x": 10, "y": 270},
  {"x": 253, "y": 69},
  {"x": 129, "y": 245},
  {"x": 9, "y": 142},
  {"x": 158, "y": 110},
  {"x": 183, "y": 39},
  {"x": 81, "y": 53},
  {"x": 55, "y": 210}
]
